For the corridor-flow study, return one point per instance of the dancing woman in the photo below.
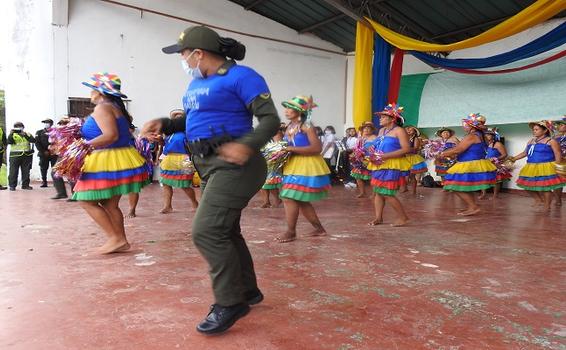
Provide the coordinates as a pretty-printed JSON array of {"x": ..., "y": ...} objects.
[
  {"x": 359, "y": 168},
  {"x": 305, "y": 175},
  {"x": 496, "y": 153},
  {"x": 450, "y": 141},
  {"x": 418, "y": 163},
  {"x": 114, "y": 168},
  {"x": 172, "y": 168},
  {"x": 388, "y": 176},
  {"x": 472, "y": 172},
  {"x": 539, "y": 176}
]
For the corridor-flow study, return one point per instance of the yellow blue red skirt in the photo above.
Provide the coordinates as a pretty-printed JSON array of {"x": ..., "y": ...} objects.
[
  {"x": 305, "y": 178},
  {"x": 418, "y": 163},
  {"x": 540, "y": 177},
  {"x": 111, "y": 172},
  {"x": 361, "y": 174},
  {"x": 470, "y": 176},
  {"x": 273, "y": 181},
  {"x": 389, "y": 176},
  {"x": 173, "y": 173}
]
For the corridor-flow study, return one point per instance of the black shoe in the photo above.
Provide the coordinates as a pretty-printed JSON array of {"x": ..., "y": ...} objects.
[
  {"x": 71, "y": 200},
  {"x": 27, "y": 188},
  {"x": 59, "y": 196},
  {"x": 12, "y": 188},
  {"x": 254, "y": 297},
  {"x": 43, "y": 185},
  {"x": 2, "y": 188},
  {"x": 221, "y": 318}
]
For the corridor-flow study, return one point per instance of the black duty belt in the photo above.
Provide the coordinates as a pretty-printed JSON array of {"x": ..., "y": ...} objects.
[{"x": 205, "y": 147}]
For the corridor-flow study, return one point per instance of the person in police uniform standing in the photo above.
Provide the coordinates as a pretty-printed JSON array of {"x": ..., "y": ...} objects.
[
  {"x": 220, "y": 103},
  {"x": 46, "y": 158},
  {"x": 3, "y": 145},
  {"x": 21, "y": 156}
]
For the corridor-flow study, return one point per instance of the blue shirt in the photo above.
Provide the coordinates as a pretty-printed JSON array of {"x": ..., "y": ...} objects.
[
  {"x": 90, "y": 130},
  {"x": 218, "y": 104},
  {"x": 175, "y": 144}
]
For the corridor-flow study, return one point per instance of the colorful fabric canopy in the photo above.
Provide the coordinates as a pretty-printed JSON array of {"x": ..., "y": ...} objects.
[
  {"x": 538, "y": 12},
  {"x": 512, "y": 70},
  {"x": 362, "y": 74},
  {"x": 547, "y": 42},
  {"x": 380, "y": 75}
]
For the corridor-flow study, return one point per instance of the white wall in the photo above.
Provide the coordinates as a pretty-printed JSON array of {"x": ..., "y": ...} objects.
[{"x": 48, "y": 63}]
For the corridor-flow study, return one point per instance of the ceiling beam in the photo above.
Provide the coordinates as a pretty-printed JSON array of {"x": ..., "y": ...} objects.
[
  {"x": 253, "y": 4},
  {"x": 348, "y": 11},
  {"x": 404, "y": 21},
  {"x": 475, "y": 26},
  {"x": 323, "y": 22}
]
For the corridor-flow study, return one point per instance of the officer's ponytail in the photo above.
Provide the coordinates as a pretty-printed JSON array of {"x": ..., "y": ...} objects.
[{"x": 232, "y": 48}]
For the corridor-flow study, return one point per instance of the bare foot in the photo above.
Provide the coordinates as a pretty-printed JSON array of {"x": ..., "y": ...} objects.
[
  {"x": 287, "y": 237},
  {"x": 470, "y": 212},
  {"x": 265, "y": 205},
  {"x": 166, "y": 210},
  {"x": 130, "y": 215},
  {"x": 375, "y": 222},
  {"x": 403, "y": 190},
  {"x": 318, "y": 231},
  {"x": 400, "y": 222},
  {"x": 195, "y": 206},
  {"x": 277, "y": 204},
  {"x": 361, "y": 195},
  {"x": 114, "y": 247},
  {"x": 481, "y": 196},
  {"x": 558, "y": 203}
]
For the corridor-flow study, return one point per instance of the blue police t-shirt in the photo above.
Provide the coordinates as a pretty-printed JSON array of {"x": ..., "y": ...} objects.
[
  {"x": 175, "y": 143},
  {"x": 217, "y": 105}
]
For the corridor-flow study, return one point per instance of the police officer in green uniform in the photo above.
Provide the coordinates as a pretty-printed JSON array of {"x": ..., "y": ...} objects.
[
  {"x": 21, "y": 156},
  {"x": 220, "y": 103},
  {"x": 3, "y": 145}
]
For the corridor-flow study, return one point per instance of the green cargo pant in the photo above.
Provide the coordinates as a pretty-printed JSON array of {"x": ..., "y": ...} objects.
[{"x": 226, "y": 190}]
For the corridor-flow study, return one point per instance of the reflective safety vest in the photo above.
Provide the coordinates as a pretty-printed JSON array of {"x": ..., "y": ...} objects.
[
  {"x": 1, "y": 144},
  {"x": 20, "y": 147}
]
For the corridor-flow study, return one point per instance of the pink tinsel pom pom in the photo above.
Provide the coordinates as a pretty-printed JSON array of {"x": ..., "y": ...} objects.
[
  {"x": 71, "y": 161},
  {"x": 433, "y": 148}
]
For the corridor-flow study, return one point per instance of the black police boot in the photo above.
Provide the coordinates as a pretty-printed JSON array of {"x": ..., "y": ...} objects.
[
  {"x": 3, "y": 188},
  {"x": 221, "y": 318},
  {"x": 253, "y": 297},
  {"x": 43, "y": 184}
]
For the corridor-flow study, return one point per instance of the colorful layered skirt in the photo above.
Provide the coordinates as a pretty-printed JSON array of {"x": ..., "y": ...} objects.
[
  {"x": 441, "y": 166},
  {"x": 111, "y": 172},
  {"x": 418, "y": 164},
  {"x": 540, "y": 177},
  {"x": 469, "y": 176},
  {"x": 305, "y": 178},
  {"x": 173, "y": 171},
  {"x": 273, "y": 181},
  {"x": 361, "y": 174},
  {"x": 388, "y": 177}
]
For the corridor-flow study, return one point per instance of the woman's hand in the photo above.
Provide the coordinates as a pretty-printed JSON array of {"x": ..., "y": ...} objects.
[{"x": 236, "y": 153}]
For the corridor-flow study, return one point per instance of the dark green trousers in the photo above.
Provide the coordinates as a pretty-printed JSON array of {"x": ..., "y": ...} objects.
[{"x": 226, "y": 190}]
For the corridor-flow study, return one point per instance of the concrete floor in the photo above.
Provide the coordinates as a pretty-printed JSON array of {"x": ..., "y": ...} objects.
[{"x": 495, "y": 281}]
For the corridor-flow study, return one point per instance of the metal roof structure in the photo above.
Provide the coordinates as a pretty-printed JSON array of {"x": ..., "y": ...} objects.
[{"x": 437, "y": 21}]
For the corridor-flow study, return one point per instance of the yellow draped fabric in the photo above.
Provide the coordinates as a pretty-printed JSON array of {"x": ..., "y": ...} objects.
[
  {"x": 538, "y": 12},
  {"x": 362, "y": 74}
]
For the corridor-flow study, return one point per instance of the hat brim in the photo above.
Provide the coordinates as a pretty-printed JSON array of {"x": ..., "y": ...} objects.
[
  {"x": 47, "y": 121},
  {"x": 478, "y": 127},
  {"x": 175, "y": 48},
  {"x": 105, "y": 91},
  {"x": 290, "y": 105}
]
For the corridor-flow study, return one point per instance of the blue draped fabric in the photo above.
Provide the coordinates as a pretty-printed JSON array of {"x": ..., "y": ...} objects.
[
  {"x": 380, "y": 75},
  {"x": 549, "y": 41}
]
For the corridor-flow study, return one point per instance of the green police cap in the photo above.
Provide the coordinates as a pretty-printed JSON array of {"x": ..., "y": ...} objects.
[{"x": 196, "y": 37}]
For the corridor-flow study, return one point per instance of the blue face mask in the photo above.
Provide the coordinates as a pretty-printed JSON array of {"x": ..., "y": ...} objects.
[{"x": 195, "y": 73}]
